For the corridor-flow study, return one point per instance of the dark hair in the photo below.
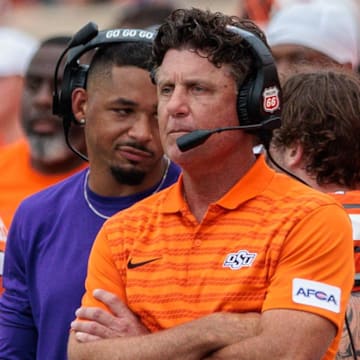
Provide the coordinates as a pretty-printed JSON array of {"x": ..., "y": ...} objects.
[
  {"x": 205, "y": 32},
  {"x": 321, "y": 110},
  {"x": 122, "y": 54}
]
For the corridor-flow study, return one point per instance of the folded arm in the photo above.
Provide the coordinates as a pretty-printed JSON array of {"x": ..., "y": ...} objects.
[
  {"x": 283, "y": 335},
  {"x": 120, "y": 335},
  {"x": 278, "y": 334}
]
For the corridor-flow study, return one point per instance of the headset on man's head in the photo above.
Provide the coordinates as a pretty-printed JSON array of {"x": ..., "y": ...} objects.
[
  {"x": 75, "y": 74},
  {"x": 258, "y": 101},
  {"x": 259, "y": 97}
]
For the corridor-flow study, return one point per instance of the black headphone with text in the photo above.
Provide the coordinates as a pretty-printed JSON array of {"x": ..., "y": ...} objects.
[
  {"x": 259, "y": 98},
  {"x": 75, "y": 74}
]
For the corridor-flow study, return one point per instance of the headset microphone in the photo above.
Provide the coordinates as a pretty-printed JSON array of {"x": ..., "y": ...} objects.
[
  {"x": 84, "y": 35},
  {"x": 198, "y": 137}
]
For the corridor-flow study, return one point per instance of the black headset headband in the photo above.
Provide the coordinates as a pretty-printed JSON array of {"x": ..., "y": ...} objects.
[
  {"x": 113, "y": 36},
  {"x": 259, "y": 96}
]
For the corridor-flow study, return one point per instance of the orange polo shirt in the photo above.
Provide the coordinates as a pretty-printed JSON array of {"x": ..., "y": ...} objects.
[
  {"x": 269, "y": 243},
  {"x": 19, "y": 180}
]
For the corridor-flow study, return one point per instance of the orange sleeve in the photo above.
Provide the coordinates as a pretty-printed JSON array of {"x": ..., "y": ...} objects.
[
  {"x": 323, "y": 285},
  {"x": 102, "y": 272}
]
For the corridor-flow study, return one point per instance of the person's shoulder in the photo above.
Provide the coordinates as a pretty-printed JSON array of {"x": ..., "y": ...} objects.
[
  {"x": 18, "y": 145},
  {"x": 55, "y": 194},
  {"x": 350, "y": 197},
  {"x": 292, "y": 192},
  {"x": 14, "y": 150},
  {"x": 289, "y": 201},
  {"x": 47, "y": 209}
]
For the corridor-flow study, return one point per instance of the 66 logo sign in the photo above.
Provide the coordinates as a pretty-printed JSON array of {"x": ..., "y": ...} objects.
[{"x": 271, "y": 99}]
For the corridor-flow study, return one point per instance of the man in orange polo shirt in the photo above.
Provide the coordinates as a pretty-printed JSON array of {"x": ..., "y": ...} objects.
[{"x": 235, "y": 260}]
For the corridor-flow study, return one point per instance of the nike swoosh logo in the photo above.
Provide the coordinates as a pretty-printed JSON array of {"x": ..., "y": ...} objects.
[{"x": 132, "y": 265}]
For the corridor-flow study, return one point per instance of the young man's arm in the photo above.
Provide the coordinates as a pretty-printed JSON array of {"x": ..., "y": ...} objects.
[{"x": 18, "y": 334}]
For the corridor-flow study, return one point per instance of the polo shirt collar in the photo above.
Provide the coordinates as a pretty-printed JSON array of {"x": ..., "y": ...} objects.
[{"x": 253, "y": 183}]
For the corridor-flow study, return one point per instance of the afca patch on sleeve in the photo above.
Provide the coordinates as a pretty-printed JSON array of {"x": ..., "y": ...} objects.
[{"x": 317, "y": 294}]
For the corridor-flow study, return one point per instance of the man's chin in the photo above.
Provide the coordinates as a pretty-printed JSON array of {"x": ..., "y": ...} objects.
[
  {"x": 128, "y": 177},
  {"x": 49, "y": 150}
]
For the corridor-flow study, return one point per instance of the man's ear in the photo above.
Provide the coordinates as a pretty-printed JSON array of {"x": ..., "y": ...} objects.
[
  {"x": 79, "y": 104},
  {"x": 294, "y": 155}
]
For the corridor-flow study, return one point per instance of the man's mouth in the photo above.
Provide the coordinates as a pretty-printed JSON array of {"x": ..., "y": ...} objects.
[
  {"x": 133, "y": 154},
  {"x": 44, "y": 127}
]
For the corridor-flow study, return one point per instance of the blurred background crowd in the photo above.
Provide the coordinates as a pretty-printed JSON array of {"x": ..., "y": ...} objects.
[
  {"x": 46, "y": 17},
  {"x": 325, "y": 34},
  {"x": 329, "y": 31}
]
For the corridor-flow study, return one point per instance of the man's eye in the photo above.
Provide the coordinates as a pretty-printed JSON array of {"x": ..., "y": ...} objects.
[
  {"x": 33, "y": 84},
  {"x": 165, "y": 90},
  {"x": 198, "y": 88},
  {"x": 123, "y": 112}
]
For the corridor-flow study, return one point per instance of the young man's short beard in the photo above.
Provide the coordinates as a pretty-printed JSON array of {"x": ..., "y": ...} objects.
[{"x": 128, "y": 177}]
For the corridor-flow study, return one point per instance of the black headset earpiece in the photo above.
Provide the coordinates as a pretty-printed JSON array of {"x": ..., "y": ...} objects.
[
  {"x": 83, "y": 36},
  {"x": 259, "y": 97},
  {"x": 74, "y": 77},
  {"x": 75, "y": 73}
]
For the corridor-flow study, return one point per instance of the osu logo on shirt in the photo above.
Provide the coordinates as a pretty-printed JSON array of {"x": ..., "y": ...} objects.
[{"x": 242, "y": 258}]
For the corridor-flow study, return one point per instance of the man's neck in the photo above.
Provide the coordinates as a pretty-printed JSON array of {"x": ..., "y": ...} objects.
[{"x": 200, "y": 192}]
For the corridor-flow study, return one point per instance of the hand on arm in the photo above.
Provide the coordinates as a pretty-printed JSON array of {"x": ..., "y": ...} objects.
[
  {"x": 190, "y": 341},
  {"x": 100, "y": 324}
]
